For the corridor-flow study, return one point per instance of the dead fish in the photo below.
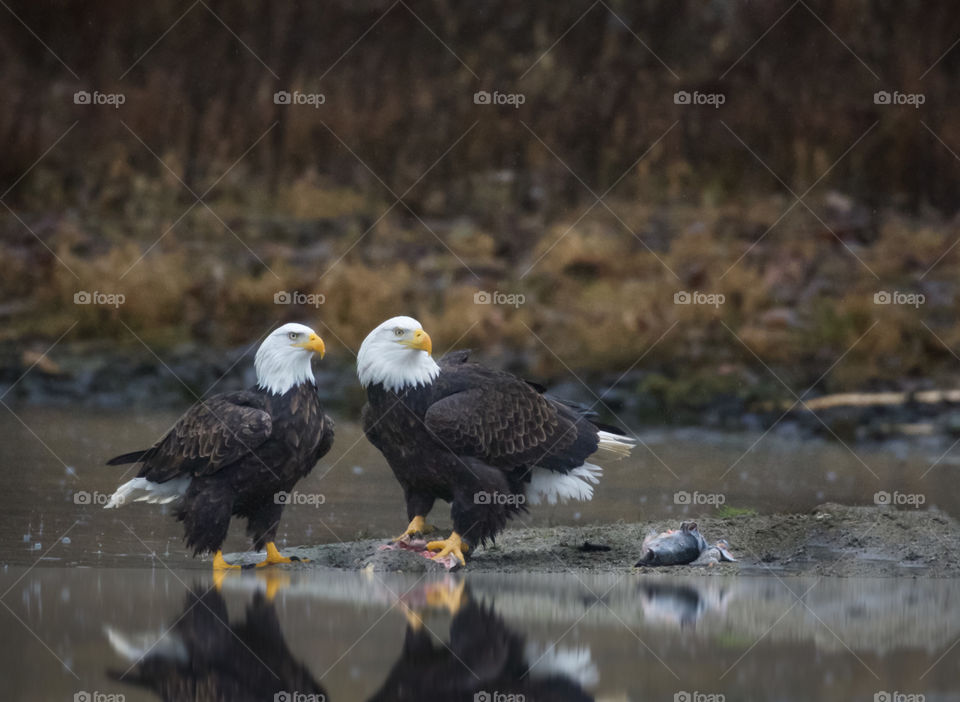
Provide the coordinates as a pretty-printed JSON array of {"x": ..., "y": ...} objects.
[
  {"x": 682, "y": 546},
  {"x": 711, "y": 555}
]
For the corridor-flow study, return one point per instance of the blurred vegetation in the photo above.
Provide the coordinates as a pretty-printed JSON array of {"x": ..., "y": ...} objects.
[{"x": 303, "y": 199}]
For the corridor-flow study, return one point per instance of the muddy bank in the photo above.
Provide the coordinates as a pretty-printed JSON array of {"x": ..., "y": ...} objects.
[
  {"x": 105, "y": 377},
  {"x": 832, "y": 540}
]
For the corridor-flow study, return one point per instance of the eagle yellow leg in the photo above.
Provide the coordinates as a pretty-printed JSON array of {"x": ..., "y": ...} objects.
[
  {"x": 274, "y": 557},
  {"x": 220, "y": 570},
  {"x": 453, "y": 545},
  {"x": 220, "y": 564},
  {"x": 418, "y": 525}
]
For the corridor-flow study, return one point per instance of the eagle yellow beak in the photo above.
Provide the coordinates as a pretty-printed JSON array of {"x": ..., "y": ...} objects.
[
  {"x": 315, "y": 344},
  {"x": 420, "y": 341}
]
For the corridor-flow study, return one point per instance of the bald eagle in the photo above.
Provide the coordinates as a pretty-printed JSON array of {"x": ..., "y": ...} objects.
[
  {"x": 482, "y": 439},
  {"x": 236, "y": 453}
]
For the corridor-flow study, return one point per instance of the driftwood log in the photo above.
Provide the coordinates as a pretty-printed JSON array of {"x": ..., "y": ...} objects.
[{"x": 876, "y": 399}]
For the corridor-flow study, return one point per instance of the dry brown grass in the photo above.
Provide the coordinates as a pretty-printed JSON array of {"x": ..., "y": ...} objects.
[{"x": 595, "y": 301}]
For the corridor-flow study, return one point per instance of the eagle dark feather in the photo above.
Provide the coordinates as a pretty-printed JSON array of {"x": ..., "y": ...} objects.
[
  {"x": 238, "y": 450},
  {"x": 473, "y": 432},
  {"x": 213, "y": 433},
  {"x": 503, "y": 421}
]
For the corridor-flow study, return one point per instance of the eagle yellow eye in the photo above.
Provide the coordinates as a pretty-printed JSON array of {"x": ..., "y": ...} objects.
[
  {"x": 398, "y": 332},
  {"x": 293, "y": 336}
]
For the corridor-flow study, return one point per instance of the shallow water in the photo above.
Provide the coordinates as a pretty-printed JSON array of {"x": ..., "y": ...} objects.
[
  {"x": 627, "y": 637},
  {"x": 94, "y": 600}
]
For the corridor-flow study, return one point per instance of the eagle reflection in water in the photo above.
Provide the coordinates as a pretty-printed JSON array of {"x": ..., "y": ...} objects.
[
  {"x": 206, "y": 657},
  {"x": 484, "y": 659}
]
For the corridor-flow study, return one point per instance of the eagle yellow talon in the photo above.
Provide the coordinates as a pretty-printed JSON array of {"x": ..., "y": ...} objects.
[
  {"x": 453, "y": 545},
  {"x": 418, "y": 525},
  {"x": 274, "y": 557}
]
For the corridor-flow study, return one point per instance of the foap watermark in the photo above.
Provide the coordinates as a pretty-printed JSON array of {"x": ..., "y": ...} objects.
[
  {"x": 899, "y": 499},
  {"x": 285, "y": 97},
  {"x": 82, "y": 497},
  {"x": 294, "y": 696},
  {"x": 498, "y": 498},
  {"x": 483, "y": 97},
  {"x": 85, "y": 97},
  {"x": 497, "y": 696},
  {"x": 698, "y": 298},
  {"x": 482, "y": 297},
  {"x": 896, "y": 297},
  {"x": 82, "y": 297},
  {"x": 683, "y": 497},
  {"x": 697, "y": 696},
  {"x": 314, "y": 499},
  {"x": 684, "y": 97},
  {"x": 885, "y": 97},
  {"x": 97, "y": 696},
  {"x": 283, "y": 297},
  {"x": 897, "y": 696}
]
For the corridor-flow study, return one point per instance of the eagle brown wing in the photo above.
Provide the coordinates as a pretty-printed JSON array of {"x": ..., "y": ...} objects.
[
  {"x": 503, "y": 421},
  {"x": 212, "y": 434}
]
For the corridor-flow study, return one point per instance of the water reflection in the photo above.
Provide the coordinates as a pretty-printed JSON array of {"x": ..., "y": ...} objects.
[
  {"x": 681, "y": 604},
  {"x": 482, "y": 659},
  {"x": 152, "y": 634},
  {"x": 203, "y": 655}
]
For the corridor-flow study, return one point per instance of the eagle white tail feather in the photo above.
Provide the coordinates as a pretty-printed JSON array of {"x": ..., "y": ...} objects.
[
  {"x": 143, "y": 490},
  {"x": 615, "y": 446},
  {"x": 575, "y": 485},
  {"x": 575, "y": 663},
  {"x": 137, "y": 647}
]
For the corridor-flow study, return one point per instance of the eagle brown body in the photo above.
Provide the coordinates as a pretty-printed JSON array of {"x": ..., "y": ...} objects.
[
  {"x": 233, "y": 454},
  {"x": 472, "y": 437},
  {"x": 240, "y": 450}
]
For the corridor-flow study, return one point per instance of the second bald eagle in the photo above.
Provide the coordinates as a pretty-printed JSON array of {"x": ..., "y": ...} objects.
[{"x": 482, "y": 439}]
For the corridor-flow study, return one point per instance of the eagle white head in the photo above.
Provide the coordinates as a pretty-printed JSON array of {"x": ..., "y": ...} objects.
[
  {"x": 283, "y": 359},
  {"x": 397, "y": 355}
]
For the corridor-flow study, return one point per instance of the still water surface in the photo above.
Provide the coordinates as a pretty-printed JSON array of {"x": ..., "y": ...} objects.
[{"x": 145, "y": 634}]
